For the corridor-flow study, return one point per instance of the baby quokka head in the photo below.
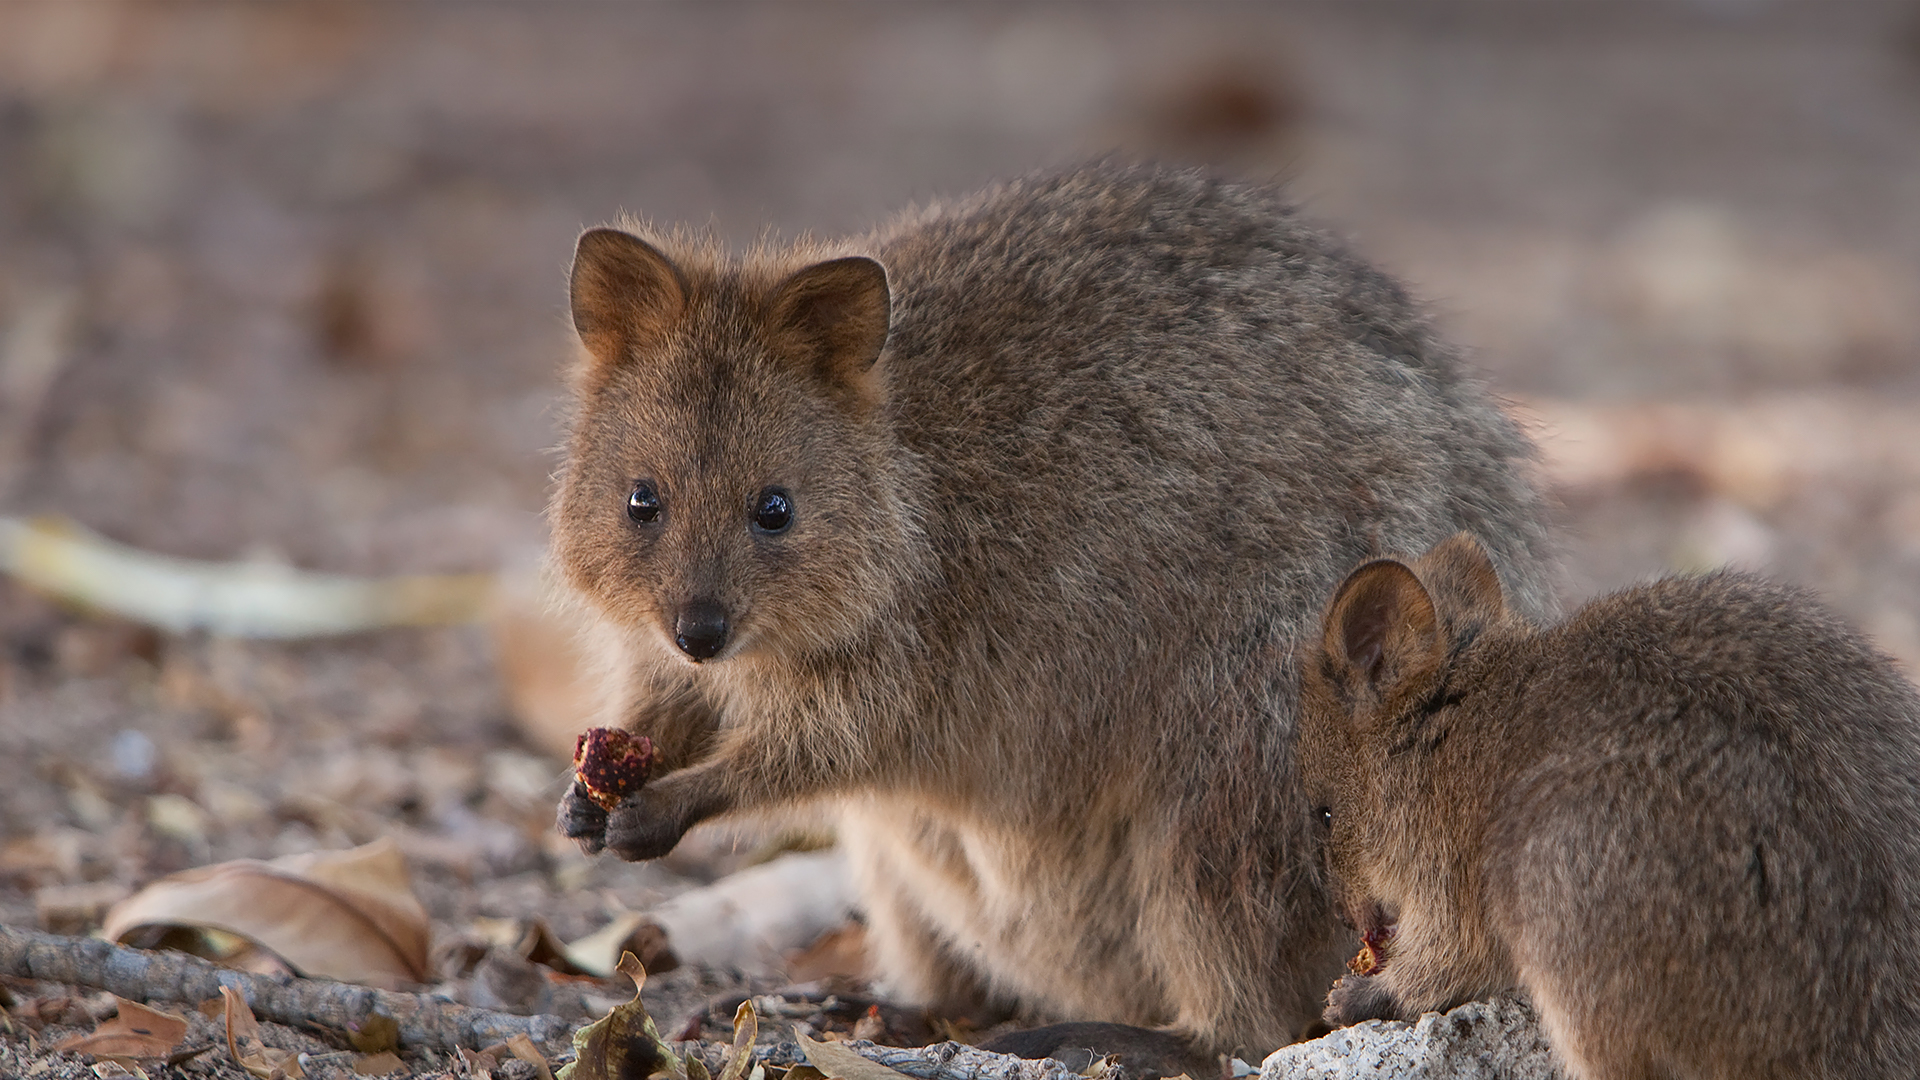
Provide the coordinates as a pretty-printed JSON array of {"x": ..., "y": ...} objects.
[
  {"x": 1375, "y": 690},
  {"x": 728, "y": 482}
]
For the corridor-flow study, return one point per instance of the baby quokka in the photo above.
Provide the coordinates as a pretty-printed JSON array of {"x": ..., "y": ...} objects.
[{"x": 1686, "y": 821}]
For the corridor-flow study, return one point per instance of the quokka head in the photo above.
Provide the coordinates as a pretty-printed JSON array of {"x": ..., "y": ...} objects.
[
  {"x": 730, "y": 486},
  {"x": 1376, "y": 691}
]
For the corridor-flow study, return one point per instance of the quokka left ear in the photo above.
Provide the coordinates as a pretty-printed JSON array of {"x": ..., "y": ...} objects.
[
  {"x": 1383, "y": 626},
  {"x": 834, "y": 317}
]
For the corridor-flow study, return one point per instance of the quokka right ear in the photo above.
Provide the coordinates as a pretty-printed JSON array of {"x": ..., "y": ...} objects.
[
  {"x": 1382, "y": 625},
  {"x": 1462, "y": 582},
  {"x": 625, "y": 294},
  {"x": 833, "y": 317}
]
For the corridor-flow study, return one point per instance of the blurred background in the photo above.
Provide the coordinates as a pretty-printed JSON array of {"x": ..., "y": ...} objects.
[{"x": 286, "y": 282}]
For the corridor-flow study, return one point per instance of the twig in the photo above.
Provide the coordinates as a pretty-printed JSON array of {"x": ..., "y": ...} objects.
[
  {"x": 941, "y": 1061},
  {"x": 139, "y": 975}
]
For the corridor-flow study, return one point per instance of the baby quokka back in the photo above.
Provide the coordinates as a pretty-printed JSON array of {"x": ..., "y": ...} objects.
[{"x": 1686, "y": 820}]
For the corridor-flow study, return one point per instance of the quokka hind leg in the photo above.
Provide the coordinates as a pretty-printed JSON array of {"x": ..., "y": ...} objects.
[{"x": 923, "y": 965}]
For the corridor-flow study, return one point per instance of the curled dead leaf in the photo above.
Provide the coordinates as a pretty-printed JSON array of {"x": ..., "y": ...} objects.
[
  {"x": 134, "y": 1032},
  {"x": 347, "y": 915},
  {"x": 624, "y": 1044},
  {"x": 746, "y": 1028},
  {"x": 522, "y": 1047},
  {"x": 839, "y": 1063},
  {"x": 248, "y": 1050}
]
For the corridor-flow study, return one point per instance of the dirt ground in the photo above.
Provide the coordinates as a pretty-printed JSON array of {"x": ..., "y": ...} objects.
[{"x": 287, "y": 282}]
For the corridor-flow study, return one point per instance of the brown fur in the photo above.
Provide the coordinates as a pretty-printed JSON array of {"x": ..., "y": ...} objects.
[
  {"x": 1686, "y": 820},
  {"x": 1029, "y": 628}
]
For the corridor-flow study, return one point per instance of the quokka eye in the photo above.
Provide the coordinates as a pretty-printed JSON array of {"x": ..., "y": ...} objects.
[
  {"x": 643, "y": 505},
  {"x": 772, "y": 510},
  {"x": 1323, "y": 816}
]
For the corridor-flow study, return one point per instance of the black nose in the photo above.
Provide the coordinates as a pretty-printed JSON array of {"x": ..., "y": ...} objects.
[{"x": 701, "y": 629}]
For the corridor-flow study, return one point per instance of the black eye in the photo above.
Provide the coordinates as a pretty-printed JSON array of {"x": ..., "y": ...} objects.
[
  {"x": 1323, "y": 815},
  {"x": 772, "y": 511},
  {"x": 643, "y": 505}
]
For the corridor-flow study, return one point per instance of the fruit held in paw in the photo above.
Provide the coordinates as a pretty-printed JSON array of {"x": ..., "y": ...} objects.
[
  {"x": 611, "y": 764},
  {"x": 1373, "y": 952}
]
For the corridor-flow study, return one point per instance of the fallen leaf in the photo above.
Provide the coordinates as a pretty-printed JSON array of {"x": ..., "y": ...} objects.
[
  {"x": 244, "y": 1043},
  {"x": 522, "y": 1047},
  {"x": 380, "y": 1064},
  {"x": 377, "y": 1033},
  {"x": 347, "y": 915},
  {"x": 135, "y": 1032},
  {"x": 632, "y": 932},
  {"x": 247, "y": 599},
  {"x": 746, "y": 1028},
  {"x": 624, "y": 1044},
  {"x": 840, "y": 1063},
  {"x": 477, "y": 1064},
  {"x": 534, "y": 940}
]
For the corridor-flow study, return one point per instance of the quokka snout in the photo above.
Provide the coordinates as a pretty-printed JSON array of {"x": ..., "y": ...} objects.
[{"x": 1686, "y": 820}]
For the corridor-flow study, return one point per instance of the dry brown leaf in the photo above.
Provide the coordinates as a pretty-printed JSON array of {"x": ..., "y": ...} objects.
[
  {"x": 746, "y": 1028},
  {"x": 380, "y": 1064},
  {"x": 135, "y": 1032},
  {"x": 377, "y": 1033},
  {"x": 840, "y": 1063},
  {"x": 624, "y": 1044},
  {"x": 533, "y": 940},
  {"x": 522, "y": 1047},
  {"x": 347, "y": 915},
  {"x": 632, "y": 932},
  {"x": 249, "y": 1052}
]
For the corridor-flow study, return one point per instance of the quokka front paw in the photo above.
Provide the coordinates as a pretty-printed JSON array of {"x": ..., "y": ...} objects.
[
  {"x": 646, "y": 824},
  {"x": 1360, "y": 997},
  {"x": 581, "y": 818}
]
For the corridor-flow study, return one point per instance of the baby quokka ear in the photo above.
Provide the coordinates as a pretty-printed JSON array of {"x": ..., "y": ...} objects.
[
  {"x": 1391, "y": 625},
  {"x": 626, "y": 296},
  {"x": 1383, "y": 633},
  {"x": 832, "y": 318},
  {"x": 1460, "y": 579}
]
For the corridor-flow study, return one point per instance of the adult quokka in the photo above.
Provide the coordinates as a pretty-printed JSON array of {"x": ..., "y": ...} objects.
[
  {"x": 1686, "y": 820},
  {"x": 995, "y": 528}
]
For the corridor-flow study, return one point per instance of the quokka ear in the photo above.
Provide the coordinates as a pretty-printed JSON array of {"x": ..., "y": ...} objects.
[
  {"x": 626, "y": 295},
  {"x": 833, "y": 316},
  {"x": 1383, "y": 626},
  {"x": 1460, "y": 577}
]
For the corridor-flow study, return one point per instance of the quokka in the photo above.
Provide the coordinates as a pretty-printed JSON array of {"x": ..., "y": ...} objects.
[
  {"x": 994, "y": 529},
  {"x": 1686, "y": 820}
]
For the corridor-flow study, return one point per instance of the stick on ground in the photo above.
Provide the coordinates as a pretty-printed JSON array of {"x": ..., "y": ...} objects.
[{"x": 140, "y": 975}]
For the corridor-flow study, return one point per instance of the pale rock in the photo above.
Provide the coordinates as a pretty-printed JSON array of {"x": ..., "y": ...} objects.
[{"x": 1481, "y": 1040}]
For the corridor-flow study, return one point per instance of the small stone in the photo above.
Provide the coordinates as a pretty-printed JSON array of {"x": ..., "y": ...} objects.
[{"x": 1481, "y": 1040}]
